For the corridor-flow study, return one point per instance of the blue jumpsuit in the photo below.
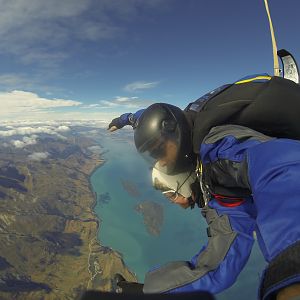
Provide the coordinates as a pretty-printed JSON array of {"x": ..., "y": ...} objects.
[{"x": 270, "y": 168}]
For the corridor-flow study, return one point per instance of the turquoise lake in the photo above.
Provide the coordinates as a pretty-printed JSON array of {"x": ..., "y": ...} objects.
[{"x": 122, "y": 228}]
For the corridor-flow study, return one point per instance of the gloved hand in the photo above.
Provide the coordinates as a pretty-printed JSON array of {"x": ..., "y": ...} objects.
[
  {"x": 118, "y": 123},
  {"x": 127, "y": 287},
  {"x": 131, "y": 287}
]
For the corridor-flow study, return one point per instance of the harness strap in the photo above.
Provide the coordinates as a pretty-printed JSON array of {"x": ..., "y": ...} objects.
[{"x": 226, "y": 201}]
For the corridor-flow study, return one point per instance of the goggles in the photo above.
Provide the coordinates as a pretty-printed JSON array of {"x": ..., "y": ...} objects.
[
  {"x": 158, "y": 151},
  {"x": 171, "y": 195}
]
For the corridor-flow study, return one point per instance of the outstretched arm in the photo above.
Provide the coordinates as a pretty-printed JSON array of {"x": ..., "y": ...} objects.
[
  {"x": 218, "y": 264},
  {"x": 125, "y": 119}
]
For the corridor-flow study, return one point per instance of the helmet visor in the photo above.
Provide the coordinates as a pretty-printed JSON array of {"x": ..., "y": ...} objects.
[
  {"x": 162, "y": 155},
  {"x": 162, "y": 152}
]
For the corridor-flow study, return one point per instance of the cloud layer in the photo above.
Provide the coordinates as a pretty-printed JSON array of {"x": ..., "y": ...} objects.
[
  {"x": 26, "y": 141},
  {"x": 16, "y": 103},
  {"x": 38, "y": 156},
  {"x": 27, "y": 105},
  {"x": 34, "y": 130},
  {"x": 46, "y": 32},
  {"x": 40, "y": 38}
]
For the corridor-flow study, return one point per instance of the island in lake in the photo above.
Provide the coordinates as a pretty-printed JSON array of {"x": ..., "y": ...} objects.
[
  {"x": 153, "y": 215},
  {"x": 130, "y": 187}
]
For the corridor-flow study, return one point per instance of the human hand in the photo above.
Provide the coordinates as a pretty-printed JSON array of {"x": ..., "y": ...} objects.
[
  {"x": 130, "y": 287},
  {"x": 112, "y": 128},
  {"x": 120, "y": 122},
  {"x": 127, "y": 287},
  {"x": 115, "y": 124}
]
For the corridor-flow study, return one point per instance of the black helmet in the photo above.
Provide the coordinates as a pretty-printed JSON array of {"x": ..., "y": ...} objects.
[{"x": 163, "y": 137}]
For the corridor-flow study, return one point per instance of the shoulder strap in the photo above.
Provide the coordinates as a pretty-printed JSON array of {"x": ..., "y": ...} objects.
[
  {"x": 199, "y": 104},
  {"x": 223, "y": 105}
]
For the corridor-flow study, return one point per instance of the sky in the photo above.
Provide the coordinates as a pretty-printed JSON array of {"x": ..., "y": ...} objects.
[{"x": 97, "y": 59}]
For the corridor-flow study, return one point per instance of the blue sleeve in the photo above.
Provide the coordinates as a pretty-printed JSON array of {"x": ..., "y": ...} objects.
[
  {"x": 218, "y": 263},
  {"x": 227, "y": 251},
  {"x": 130, "y": 118},
  {"x": 274, "y": 172}
]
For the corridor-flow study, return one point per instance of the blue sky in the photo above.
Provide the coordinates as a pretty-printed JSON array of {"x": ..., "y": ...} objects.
[{"x": 95, "y": 59}]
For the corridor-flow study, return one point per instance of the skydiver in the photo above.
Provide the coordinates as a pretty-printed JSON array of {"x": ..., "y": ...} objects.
[{"x": 248, "y": 179}]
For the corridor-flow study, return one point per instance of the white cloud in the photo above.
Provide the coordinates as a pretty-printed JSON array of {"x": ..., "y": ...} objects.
[
  {"x": 12, "y": 80},
  {"x": 34, "y": 130},
  {"x": 37, "y": 156},
  {"x": 94, "y": 131},
  {"x": 72, "y": 118},
  {"x": 43, "y": 56},
  {"x": 30, "y": 140},
  {"x": 22, "y": 136},
  {"x": 18, "y": 103},
  {"x": 17, "y": 144},
  {"x": 125, "y": 99},
  {"x": 63, "y": 128},
  {"x": 108, "y": 104},
  {"x": 96, "y": 105},
  {"x": 95, "y": 31},
  {"x": 48, "y": 33},
  {"x": 13, "y": 124},
  {"x": 126, "y": 103},
  {"x": 25, "y": 142},
  {"x": 140, "y": 85},
  {"x": 28, "y": 29},
  {"x": 33, "y": 82}
]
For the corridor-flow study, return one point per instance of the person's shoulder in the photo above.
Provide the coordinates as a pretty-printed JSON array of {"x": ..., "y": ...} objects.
[{"x": 238, "y": 132}]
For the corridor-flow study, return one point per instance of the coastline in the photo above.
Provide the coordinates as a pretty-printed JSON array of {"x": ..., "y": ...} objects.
[
  {"x": 95, "y": 248},
  {"x": 94, "y": 203},
  {"x": 50, "y": 246}
]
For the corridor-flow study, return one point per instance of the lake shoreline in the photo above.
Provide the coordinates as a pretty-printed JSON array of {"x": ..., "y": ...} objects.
[{"x": 116, "y": 259}]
